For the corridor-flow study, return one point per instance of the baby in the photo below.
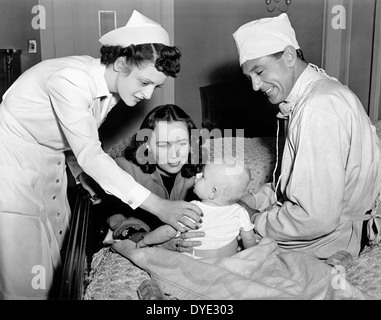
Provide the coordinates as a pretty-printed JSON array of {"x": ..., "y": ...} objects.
[{"x": 218, "y": 187}]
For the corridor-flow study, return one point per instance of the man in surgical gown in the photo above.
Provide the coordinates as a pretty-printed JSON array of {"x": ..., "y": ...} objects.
[{"x": 330, "y": 175}]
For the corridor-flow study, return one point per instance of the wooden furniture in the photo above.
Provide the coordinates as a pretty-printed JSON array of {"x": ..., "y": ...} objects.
[
  {"x": 10, "y": 68},
  {"x": 78, "y": 249},
  {"x": 236, "y": 105}
]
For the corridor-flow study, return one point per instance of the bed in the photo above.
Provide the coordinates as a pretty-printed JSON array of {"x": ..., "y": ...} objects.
[{"x": 111, "y": 276}]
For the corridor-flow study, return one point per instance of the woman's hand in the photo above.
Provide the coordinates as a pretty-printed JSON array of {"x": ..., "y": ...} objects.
[
  {"x": 179, "y": 214},
  {"x": 184, "y": 242},
  {"x": 91, "y": 186}
]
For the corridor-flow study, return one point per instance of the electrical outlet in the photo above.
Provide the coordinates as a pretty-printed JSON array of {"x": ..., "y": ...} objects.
[{"x": 32, "y": 46}]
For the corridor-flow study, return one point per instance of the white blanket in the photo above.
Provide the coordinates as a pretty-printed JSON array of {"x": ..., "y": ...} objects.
[{"x": 260, "y": 272}]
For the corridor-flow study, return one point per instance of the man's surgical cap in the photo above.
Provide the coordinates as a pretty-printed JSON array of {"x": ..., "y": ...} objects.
[{"x": 265, "y": 36}]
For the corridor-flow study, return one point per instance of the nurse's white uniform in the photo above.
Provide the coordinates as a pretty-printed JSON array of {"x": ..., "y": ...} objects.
[{"x": 54, "y": 107}]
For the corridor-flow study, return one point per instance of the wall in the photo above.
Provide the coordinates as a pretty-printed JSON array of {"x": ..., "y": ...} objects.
[
  {"x": 203, "y": 31},
  {"x": 16, "y": 28},
  {"x": 72, "y": 29}
]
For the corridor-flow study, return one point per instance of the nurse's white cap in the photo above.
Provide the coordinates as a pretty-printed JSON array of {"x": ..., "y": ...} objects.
[
  {"x": 265, "y": 36},
  {"x": 138, "y": 30}
]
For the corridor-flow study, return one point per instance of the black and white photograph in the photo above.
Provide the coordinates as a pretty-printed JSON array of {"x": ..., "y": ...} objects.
[{"x": 206, "y": 152}]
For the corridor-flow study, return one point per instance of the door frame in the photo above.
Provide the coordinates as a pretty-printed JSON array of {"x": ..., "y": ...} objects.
[
  {"x": 336, "y": 58},
  {"x": 337, "y": 42},
  {"x": 375, "y": 89}
]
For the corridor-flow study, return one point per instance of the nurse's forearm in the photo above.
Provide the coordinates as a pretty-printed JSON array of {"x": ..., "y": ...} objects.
[
  {"x": 174, "y": 213},
  {"x": 152, "y": 204}
]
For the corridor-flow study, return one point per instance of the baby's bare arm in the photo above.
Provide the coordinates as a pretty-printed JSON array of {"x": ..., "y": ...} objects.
[{"x": 157, "y": 236}]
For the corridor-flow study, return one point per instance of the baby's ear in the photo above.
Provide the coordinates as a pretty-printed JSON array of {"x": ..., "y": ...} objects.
[{"x": 213, "y": 193}]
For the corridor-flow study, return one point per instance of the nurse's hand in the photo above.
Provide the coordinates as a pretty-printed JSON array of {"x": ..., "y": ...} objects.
[
  {"x": 184, "y": 243},
  {"x": 179, "y": 214},
  {"x": 91, "y": 187}
]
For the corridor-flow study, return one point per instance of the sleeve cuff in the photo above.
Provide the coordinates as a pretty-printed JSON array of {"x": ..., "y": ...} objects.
[{"x": 137, "y": 196}]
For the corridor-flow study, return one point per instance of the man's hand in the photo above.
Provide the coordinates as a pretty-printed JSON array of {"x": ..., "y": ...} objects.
[{"x": 183, "y": 243}]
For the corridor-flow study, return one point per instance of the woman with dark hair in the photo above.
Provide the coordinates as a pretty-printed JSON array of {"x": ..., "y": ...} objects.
[
  {"x": 168, "y": 114},
  {"x": 161, "y": 158},
  {"x": 53, "y": 110}
]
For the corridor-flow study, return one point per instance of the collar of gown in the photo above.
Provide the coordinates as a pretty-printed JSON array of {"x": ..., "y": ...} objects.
[
  {"x": 286, "y": 107},
  {"x": 98, "y": 71}
]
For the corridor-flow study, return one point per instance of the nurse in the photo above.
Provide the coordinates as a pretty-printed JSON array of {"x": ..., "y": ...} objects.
[{"x": 54, "y": 110}]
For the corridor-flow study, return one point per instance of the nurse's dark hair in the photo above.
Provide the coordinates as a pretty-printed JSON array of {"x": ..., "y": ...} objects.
[
  {"x": 299, "y": 54},
  {"x": 138, "y": 153},
  {"x": 165, "y": 58}
]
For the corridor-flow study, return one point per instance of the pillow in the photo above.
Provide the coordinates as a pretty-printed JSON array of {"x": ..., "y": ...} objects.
[
  {"x": 377, "y": 125},
  {"x": 259, "y": 154},
  {"x": 117, "y": 149}
]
